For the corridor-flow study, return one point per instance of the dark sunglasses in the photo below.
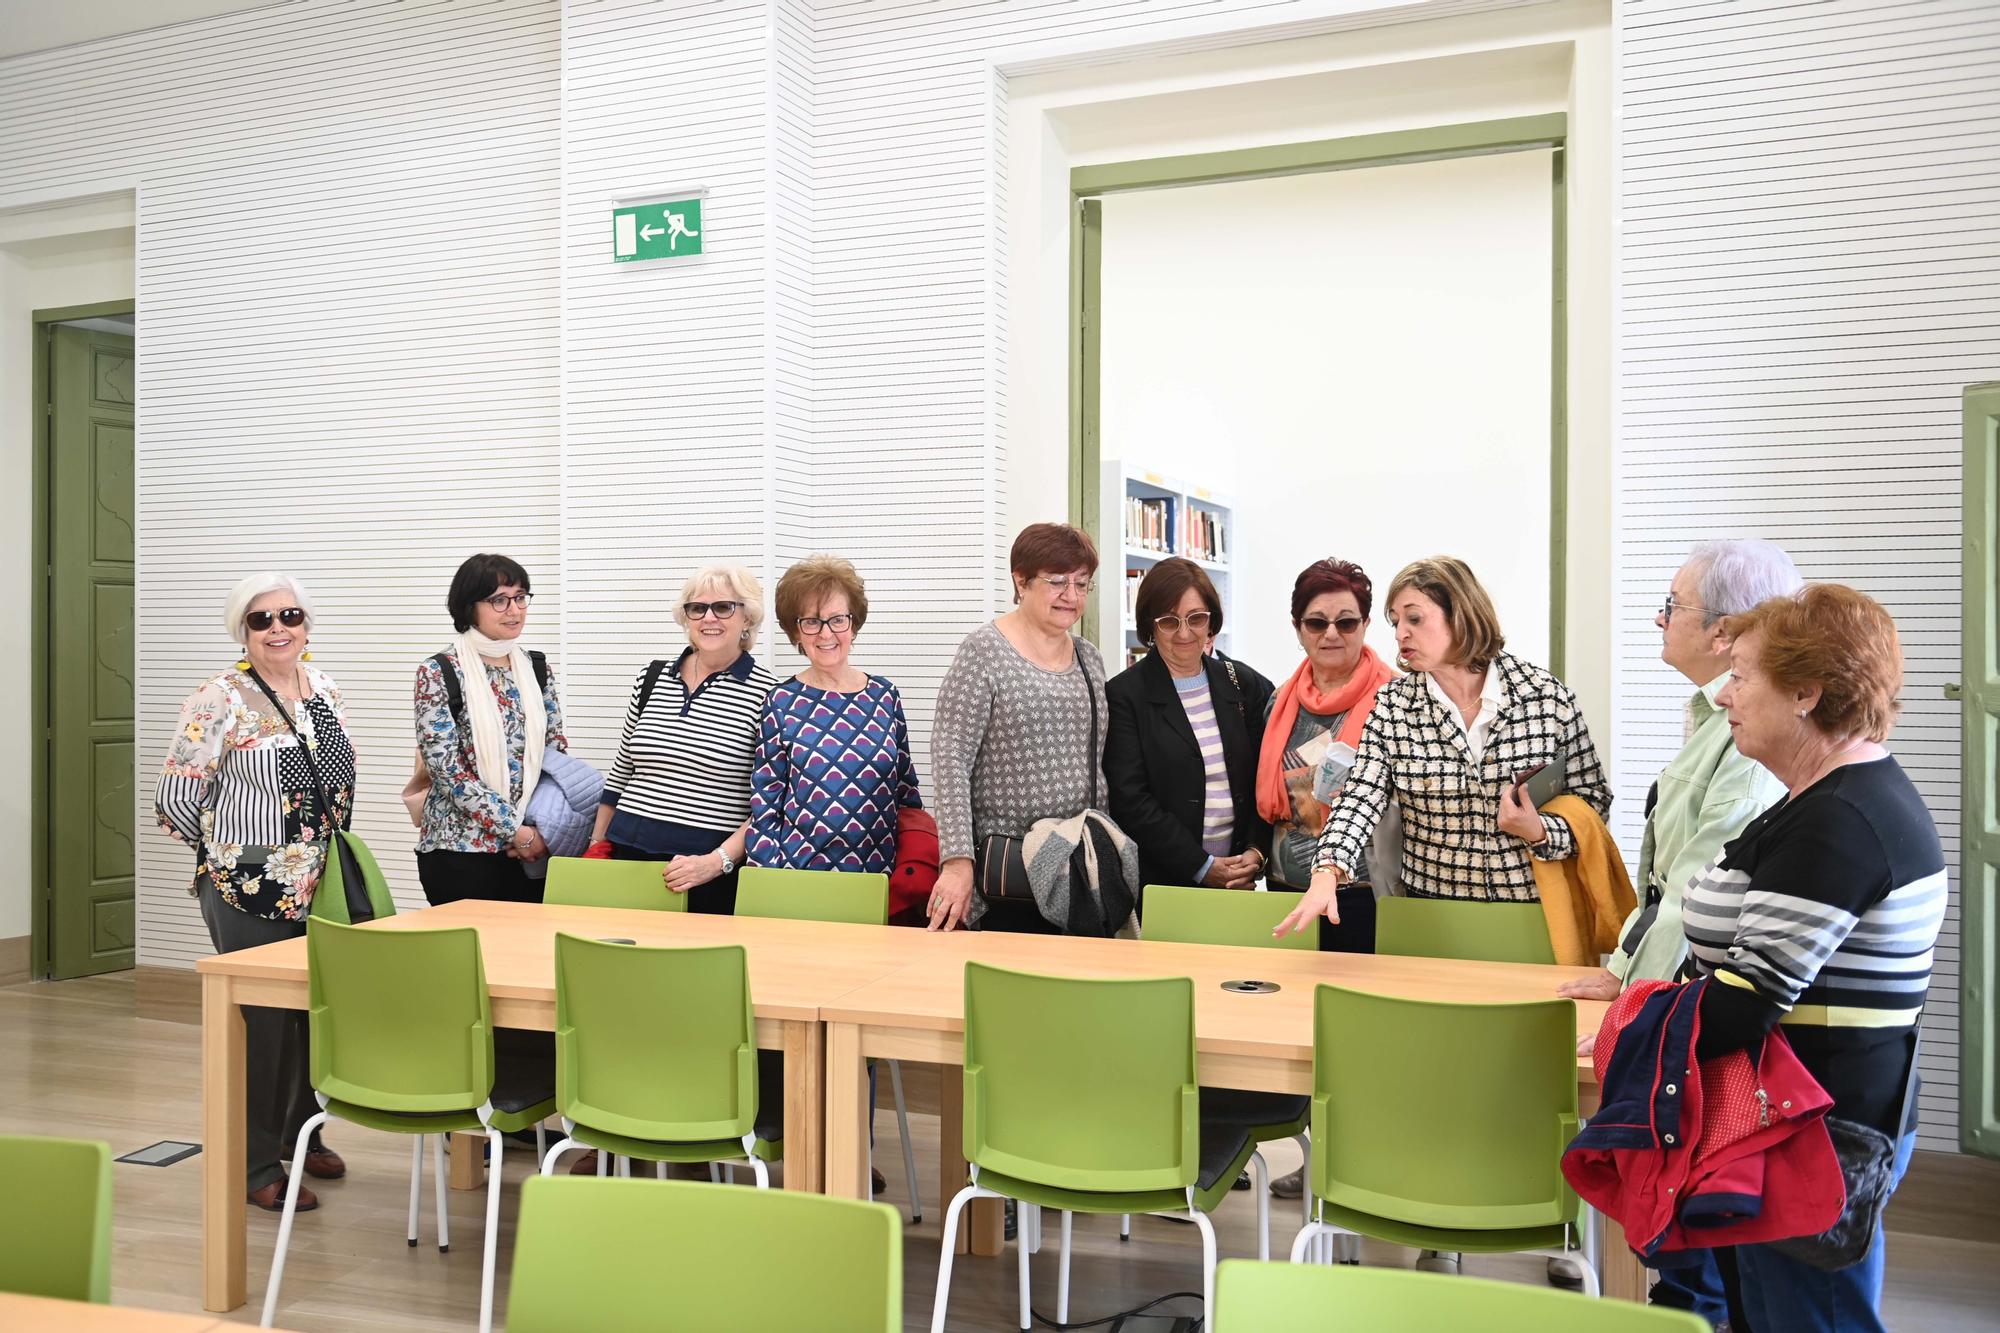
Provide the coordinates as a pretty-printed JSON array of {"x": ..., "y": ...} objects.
[
  {"x": 291, "y": 618},
  {"x": 1317, "y": 625},
  {"x": 722, "y": 610}
]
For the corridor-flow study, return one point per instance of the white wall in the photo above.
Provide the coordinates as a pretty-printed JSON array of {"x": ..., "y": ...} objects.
[
  {"x": 1361, "y": 359},
  {"x": 41, "y": 272}
]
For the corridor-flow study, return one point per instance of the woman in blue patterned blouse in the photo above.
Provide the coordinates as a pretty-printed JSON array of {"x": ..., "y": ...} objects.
[{"x": 833, "y": 751}]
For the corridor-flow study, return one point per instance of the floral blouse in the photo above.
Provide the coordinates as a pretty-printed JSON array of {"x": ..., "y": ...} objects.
[
  {"x": 237, "y": 788},
  {"x": 462, "y": 813}
]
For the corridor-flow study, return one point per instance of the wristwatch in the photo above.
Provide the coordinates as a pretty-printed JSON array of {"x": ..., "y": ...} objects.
[
  {"x": 722, "y": 855},
  {"x": 525, "y": 836}
]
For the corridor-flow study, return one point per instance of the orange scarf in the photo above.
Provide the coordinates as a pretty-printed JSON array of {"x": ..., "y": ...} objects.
[{"x": 1356, "y": 698}]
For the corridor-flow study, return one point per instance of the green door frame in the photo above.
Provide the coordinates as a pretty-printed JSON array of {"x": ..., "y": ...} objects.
[
  {"x": 1979, "y": 830},
  {"x": 43, "y": 407},
  {"x": 1088, "y": 185}
]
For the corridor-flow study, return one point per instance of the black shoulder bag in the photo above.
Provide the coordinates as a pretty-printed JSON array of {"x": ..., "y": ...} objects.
[
  {"x": 999, "y": 866},
  {"x": 349, "y": 862}
]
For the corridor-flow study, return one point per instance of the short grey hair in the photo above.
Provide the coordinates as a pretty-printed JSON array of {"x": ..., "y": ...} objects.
[
  {"x": 741, "y": 585},
  {"x": 250, "y": 589},
  {"x": 1732, "y": 576}
]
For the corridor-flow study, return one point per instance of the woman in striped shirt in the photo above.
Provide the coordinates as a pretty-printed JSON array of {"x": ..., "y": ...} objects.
[
  {"x": 680, "y": 787},
  {"x": 1823, "y": 914},
  {"x": 1180, "y": 756}
]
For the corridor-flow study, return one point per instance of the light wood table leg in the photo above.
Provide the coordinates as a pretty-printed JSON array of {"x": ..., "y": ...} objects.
[
  {"x": 846, "y": 1114},
  {"x": 1623, "y": 1276},
  {"x": 805, "y": 1107},
  {"x": 984, "y": 1229},
  {"x": 222, "y": 1160},
  {"x": 468, "y": 1161}
]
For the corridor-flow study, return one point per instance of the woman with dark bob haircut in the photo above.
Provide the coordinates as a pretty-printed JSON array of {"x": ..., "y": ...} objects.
[
  {"x": 1824, "y": 913},
  {"x": 486, "y": 710},
  {"x": 1180, "y": 758}
]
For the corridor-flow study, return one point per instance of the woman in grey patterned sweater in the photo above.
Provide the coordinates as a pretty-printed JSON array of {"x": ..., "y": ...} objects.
[{"x": 1012, "y": 742}]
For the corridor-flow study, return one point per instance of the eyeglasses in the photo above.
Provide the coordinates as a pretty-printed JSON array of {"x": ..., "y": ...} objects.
[
  {"x": 839, "y": 624},
  {"x": 722, "y": 610},
  {"x": 291, "y": 618},
  {"x": 1198, "y": 622},
  {"x": 500, "y": 601},
  {"x": 1671, "y": 606},
  {"x": 1061, "y": 583},
  {"x": 1318, "y": 625}
]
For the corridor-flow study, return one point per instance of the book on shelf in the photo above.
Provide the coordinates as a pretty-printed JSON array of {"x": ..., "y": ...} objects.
[
  {"x": 1149, "y": 524},
  {"x": 1133, "y": 577},
  {"x": 1207, "y": 536}
]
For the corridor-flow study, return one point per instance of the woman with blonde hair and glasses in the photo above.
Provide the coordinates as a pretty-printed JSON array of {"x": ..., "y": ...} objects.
[{"x": 679, "y": 789}]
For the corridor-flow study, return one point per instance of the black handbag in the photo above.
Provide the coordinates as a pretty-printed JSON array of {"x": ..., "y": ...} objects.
[
  {"x": 1868, "y": 1169},
  {"x": 999, "y": 863},
  {"x": 350, "y": 864}
]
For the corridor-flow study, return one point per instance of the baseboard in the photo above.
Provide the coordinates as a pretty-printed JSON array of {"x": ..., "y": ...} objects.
[
  {"x": 1947, "y": 1194},
  {"x": 16, "y": 959}
]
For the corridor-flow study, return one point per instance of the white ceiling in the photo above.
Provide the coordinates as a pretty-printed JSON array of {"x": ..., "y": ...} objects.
[{"x": 37, "y": 25}]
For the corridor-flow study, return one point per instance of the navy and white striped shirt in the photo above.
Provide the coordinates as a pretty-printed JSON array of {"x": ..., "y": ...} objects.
[{"x": 687, "y": 760}]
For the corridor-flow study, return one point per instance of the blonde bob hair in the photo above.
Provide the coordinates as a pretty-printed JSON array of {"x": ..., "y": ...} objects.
[
  {"x": 249, "y": 590},
  {"x": 1475, "y": 627},
  {"x": 738, "y": 582}
]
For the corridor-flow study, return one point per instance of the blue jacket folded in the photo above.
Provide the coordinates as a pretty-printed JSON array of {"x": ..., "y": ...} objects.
[{"x": 563, "y": 807}]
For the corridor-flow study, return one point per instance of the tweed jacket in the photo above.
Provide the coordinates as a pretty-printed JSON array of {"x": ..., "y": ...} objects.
[{"x": 1413, "y": 751}]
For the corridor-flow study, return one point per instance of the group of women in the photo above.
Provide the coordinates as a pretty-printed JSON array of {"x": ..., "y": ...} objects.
[{"x": 1351, "y": 779}]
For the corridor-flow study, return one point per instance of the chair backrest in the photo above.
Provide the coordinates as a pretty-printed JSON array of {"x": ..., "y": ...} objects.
[
  {"x": 55, "y": 1233},
  {"x": 1081, "y": 1083},
  {"x": 1443, "y": 928},
  {"x": 399, "y": 1019},
  {"x": 655, "y": 1043},
  {"x": 576, "y": 882},
  {"x": 638, "y": 1256},
  {"x": 1221, "y": 916},
  {"x": 813, "y": 895},
  {"x": 1253, "y": 1297},
  {"x": 1444, "y": 1114}
]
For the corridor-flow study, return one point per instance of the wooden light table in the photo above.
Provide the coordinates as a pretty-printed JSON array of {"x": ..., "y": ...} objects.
[
  {"x": 47, "y": 1315},
  {"x": 1260, "y": 1041},
  {"x": 795, "y": 967}
]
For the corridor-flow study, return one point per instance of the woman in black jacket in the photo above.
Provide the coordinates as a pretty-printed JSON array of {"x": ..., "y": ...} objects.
[{"x": 1186, "y": 725}]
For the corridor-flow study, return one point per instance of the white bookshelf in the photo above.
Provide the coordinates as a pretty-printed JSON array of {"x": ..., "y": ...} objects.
[{"x": 1145, "y": 517}]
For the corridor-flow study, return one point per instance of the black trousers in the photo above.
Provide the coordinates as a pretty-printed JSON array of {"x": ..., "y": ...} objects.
[
  {"x": 495, "y": 876},
  {"x": 1356, "y": 931},
  {"x": 277, "y": 1087}
]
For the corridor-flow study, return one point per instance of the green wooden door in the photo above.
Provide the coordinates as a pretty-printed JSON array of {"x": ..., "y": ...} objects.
[
  {"x": 1979, "y": 859},
  {"x": 91, "y": 770}
]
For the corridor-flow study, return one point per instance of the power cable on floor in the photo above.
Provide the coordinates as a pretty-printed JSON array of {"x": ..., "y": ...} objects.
[{"x": 1114, "y": 1323}]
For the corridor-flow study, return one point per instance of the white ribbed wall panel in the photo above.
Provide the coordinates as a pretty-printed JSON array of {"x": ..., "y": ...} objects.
[
  {"x": 1809, "y": 265},
  {"x": 348, "y": 350}
]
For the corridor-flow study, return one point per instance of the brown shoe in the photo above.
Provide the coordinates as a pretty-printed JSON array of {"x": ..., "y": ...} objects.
[
  {"x": 585, "y": 1164},
  {"x": 324, "y": 1164},
  {"x": 877, "y": 1181},
  {"x": 271, "y": 1198}
]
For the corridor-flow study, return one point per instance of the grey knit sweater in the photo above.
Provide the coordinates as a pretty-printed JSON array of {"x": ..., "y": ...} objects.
[{"x": 1011, "y": 743}]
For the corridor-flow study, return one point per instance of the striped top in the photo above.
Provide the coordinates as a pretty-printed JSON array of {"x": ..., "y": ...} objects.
[
  {"x": 688, "y": 760},
  {"x": 1824, "y": 914},
  {"x": 1218, "y": 811}
]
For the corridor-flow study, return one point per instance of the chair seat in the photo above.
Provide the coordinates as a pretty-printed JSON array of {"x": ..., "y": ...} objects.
[
  {"x": 1510, "y": 1241},
  {"x": 1268, "y": 1115},
  {"x": 769, "y": 1128},
  {"x": 1225, "y": 1150}
]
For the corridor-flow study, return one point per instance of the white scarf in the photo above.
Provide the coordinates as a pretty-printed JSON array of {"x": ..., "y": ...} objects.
[{"x": 482, "y": 712}]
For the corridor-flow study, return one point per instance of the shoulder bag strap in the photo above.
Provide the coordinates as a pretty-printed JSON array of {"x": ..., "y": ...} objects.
[
  {"x": 1090, "y": 693},
  {"x": 653, "y": 671},
  {"x": 454, "y": 692},
  {"x": 312, "y": 764}
]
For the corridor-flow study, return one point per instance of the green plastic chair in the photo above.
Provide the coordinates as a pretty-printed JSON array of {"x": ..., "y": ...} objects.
[
  {"x": 1081, "y": 1095},
  {"x": 403, "y": 1040},
  {"x": 832, "y": 895},
  {"x": 1442, "y": 1125},
  {"x": 1245, "y": 919},
  {"x": 656, "y": 1058},
  {"x": 1296, "y": 1298},
  {"x": 576, "y": 882},
  {"x": 640, "y": 1256},
  {"x": 55, "y": 1239},
  {"x": 1444, "y": 928}
]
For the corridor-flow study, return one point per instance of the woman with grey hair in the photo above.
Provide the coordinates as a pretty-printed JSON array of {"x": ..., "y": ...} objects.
[
  {"x": 680, "y": 788},
  {"x": 258, "y": 775}
]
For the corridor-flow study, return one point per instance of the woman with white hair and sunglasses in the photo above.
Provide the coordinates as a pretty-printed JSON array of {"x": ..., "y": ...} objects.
[
  {"x": 679, "y": 790},
  {"x": 257, "y": 776}
]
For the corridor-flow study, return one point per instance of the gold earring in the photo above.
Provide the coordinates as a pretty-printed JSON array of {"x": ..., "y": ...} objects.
[
  {"x": 306, "y": 656},
  {"x": 243, "y": 664}
]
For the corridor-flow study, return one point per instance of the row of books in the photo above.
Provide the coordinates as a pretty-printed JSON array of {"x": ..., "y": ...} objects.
[
  {"x": 1207, "y": 536},
  {"x": 1150, "y": 525}
]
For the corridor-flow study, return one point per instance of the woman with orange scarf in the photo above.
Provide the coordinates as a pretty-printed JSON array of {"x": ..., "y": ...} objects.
[{"x": 1312, "y": 733}]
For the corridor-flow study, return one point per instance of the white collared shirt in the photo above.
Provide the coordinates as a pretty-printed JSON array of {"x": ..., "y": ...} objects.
[{"x": 1491, "y": 695}]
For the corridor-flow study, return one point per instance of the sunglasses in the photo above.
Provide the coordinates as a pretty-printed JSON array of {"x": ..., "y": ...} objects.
[
  {"x": 722, "y": 610},
  {"x": 1317, "y": 625},
  {"x": 1198, "y": 622},
  {"x": 291, "y": 618}
]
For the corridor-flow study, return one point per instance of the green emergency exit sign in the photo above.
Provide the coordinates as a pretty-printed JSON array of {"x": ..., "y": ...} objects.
[{"x": 669, "y": 229}]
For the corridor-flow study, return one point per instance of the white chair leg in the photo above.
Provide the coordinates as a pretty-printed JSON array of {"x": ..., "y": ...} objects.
[
  {"x": 603, "y": 1163},
  {"x": 1305, "y": 1178},
  {"x": 555, "y": 1152},
  {"x": 1028, "y": 1223},
  {"x": 951, "y": 1216},
  {"x": 624, "y": 1167},
  {"x": 909, "y": 1153},
  {"x": 714, "y": 1173},
  {"x": 1125, "y": 1227},
  {"x": 492, "y": 1232},
  {"x": 659, "y": 1170},
  {"x": 416, "y": 1182},
  {"x": 1260, "y": 1185},
  {"x": 291, "y": 1205},
  {"x": 437, "y": 1179},
  {"x": 541, "y": 1140},
  {"x": 1022, "y": 1251},
  {"x": 1062, "y": 1271},
  {"x": 1207, "y": 1264},
  {"x": 760, "y": 1171}
]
